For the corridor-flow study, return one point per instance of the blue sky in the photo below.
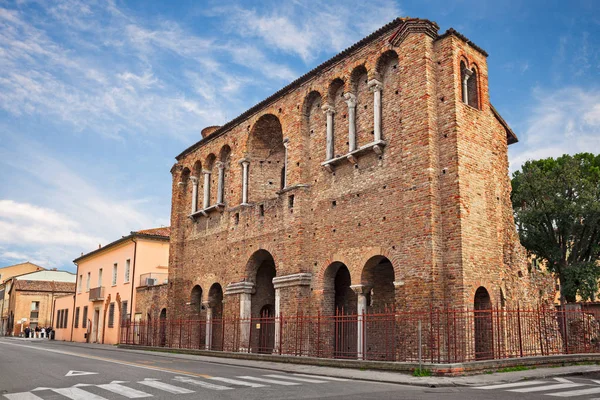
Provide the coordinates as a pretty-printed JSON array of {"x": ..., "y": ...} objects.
[{"x": 98, "y": 97}]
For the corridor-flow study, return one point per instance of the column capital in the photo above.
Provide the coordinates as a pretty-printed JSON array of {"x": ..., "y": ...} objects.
[
  {"x": 327, "y": 109},
  {"x": 239, "y": 288},
  {"x": 286, "y": 142},
  {"x": 350, "y": 99},
  {"x": 299, "y": 279},
  {"x": 375, "y": 85},
  {"x": 361, "y": 289},
  {"x": 220, "y": 164},
  {"x": 206, "y": 172},
  {"x": 194, "y": 180},
  {"x": 244, "y": 161},
  {"x": 468, "y": 73}
]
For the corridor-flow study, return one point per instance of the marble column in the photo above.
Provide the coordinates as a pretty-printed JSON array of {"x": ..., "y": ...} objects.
[
  {"x": 245, "y": 166},
  {"x": 221, "y": 183},
  {"x": 285, "y": 163},
  {"x": 361, "y": 310},
  {"x": 376, "y": 86},
  {"x": 245, "y": 290},
  {"x": 208, "y": 336},
  {"x": 327, "y": 109},
  {"x": 194, "y": 193},
  {"x": 465, "y": 87},
  {"x": 351, "y": 102},
  {"x": 302, "y": 279},
  {"x": 206, "y": 202}
]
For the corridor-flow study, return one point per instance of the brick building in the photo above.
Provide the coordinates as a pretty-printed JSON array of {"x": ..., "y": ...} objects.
[{"x": 378, "y": 180}]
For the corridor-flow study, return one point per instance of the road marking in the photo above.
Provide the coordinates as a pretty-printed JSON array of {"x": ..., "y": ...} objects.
[
  {"x": 547, "y": 387},
  {"x": 292, "y": 378},
  {"x": 236, "y": 382},
  {"x": 165, "y": 386},
  {"x": 116, "y": 387},
  {"x": 572, "y": 393},
  {"x": 329, "y": 378},
  {"x": 254, "y": 378},
  {"x": 200, "y": 383},
  {"x": 563, "y": 380},
  {"x": 509, "y": 385},
  {"x": 110, "y": 360},
  {"x": 78, "y": 394},
  {"x": 22, "y": 396},
  {"x": 80, "y": 373}
]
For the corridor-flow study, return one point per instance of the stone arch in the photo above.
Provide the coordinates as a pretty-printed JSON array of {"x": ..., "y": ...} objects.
[
  {"x": 378, "y": 278},
  {"x": 314, "y": 131},
  {"x": 337, "y": 103},
  {"x": 340, "y": 303},
  {"x": 473, "y": 88},
  {"x": 196, "y": 300},
  {"x": 359, "y": 87},
  {"x": 388, "y": 73},
  {"x": 469, "y": 85},
  {"x": 210, "y": 167},
  {"x": 225, "y": 164},
  {"x": 483, "y": 320},
  {"x": 266, "y": 152}
]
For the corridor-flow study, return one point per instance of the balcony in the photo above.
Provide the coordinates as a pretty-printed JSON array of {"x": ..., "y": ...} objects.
[
  {"x": 97, "y": 293},
  {"x": 153, "y": 279}
]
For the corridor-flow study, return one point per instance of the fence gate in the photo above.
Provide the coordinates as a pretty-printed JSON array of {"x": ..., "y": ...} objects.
[{"x": 266, "y": 331}]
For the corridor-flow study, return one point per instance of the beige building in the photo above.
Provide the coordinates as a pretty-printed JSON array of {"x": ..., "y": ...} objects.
[
  {"x": 6, "y": 273},
  {"x": 31, "y": 298},
  {"x": 106, "y": 281}
]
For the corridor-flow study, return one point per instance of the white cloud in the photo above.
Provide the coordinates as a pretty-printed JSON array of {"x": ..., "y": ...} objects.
[{"x": 563, "y": 121}]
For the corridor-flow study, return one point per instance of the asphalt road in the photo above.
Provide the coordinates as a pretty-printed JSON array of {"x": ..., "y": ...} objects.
[{"x": 55, "y": 370}]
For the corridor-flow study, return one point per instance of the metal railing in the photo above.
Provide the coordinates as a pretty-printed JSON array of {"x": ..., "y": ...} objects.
[
  {"x": 153, "y": 278},
  {"x": 436, "y": 336},
  {"x": 97, "y": 293}
]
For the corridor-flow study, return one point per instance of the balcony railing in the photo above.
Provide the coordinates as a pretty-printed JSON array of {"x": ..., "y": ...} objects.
[
  {"x": 153, "y": 279},
  {"x": 97, "y": 293}
]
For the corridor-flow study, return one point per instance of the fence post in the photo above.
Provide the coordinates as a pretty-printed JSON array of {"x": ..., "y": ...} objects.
[
  {"x": 519, "y": 327},
  {"x": 420, "y": 358},
  {"x": 319, "y": 333},
  {"x": 280, "y": 331},
  {"x": 540, "y": 329}
]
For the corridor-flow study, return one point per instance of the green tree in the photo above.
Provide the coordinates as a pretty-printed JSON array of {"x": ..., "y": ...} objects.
[{"x": 556, "y": 204}]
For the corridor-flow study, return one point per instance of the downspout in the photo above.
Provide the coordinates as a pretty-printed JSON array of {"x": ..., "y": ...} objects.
[
  {"x": 132, "y": 277},
  {"x": 74, "y": 300}
]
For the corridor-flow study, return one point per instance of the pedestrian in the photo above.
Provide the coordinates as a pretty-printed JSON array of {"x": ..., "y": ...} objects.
[
  {"x": 27, "y": 332},
  {"x": 37, "y": 332},
  {"x": 43, "y": 331}
]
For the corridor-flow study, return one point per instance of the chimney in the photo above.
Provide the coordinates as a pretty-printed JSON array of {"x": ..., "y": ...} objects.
[{"x": 208, "y": 130}]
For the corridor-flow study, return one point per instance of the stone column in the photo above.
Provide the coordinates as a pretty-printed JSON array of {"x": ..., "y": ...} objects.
[
  {"x": 285, "y": 162},
  {"x": 327, "y": 109},
  {"x": 206, "y": 202},
  {"x": 194, "y": 193},
  {"x": 245, "y": 290},
  {"x": 351, "y": 101},
  {"x": 279, "y": 283},
  {"x": 361, "y": 309},
  {"x": 465, "y": 87},
  {"x": 375, "y": 86},
  {"x": 209, "y": 317},
  {"x": 221, "y": 183},
  {"x": 245, "y": 165}
]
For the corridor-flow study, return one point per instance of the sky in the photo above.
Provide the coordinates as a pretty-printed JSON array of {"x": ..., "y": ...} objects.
[{"x": 98, "y": 97}]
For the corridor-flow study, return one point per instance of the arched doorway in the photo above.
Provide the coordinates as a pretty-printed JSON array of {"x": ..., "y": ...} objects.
[
  {"x": 340, "y": 304},
  {"x": 163, "y": 327},
  {"x": 215, "y": 301},
  {"x": 196, "y": 302},
  {"x": 484, "y": 337},
  {"x": 379, "y": 293},
  {"x": 261, "y": 270}
]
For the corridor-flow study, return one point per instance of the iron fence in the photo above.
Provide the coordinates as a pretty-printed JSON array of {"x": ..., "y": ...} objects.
[{"x": 434, "y": 335}]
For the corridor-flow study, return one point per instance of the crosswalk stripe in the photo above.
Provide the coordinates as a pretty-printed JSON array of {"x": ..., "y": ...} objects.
[
  {"x": 200, "y": 383},
  {"x": 509, "y": 385},
  {"x": 77, "y": 394},
  {"x": 563, "y": 380},
  {"x": 124, "y": 391},
  {"x": 572, "y": 393},
  {"x": 329, "y": 378},
  {"x": 294, "y": 378},
  {"x": 274, "y": 382},
  {"x": 22, "y": 396},
  {"x": 546, "y": 387},
  {"x": 165, "y": 386},
  {"x": 236, "y": 382}
]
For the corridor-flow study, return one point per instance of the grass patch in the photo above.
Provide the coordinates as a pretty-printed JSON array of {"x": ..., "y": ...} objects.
[
  {"x": 421, "y": 372},
  {"x": 515, "y": 369}
]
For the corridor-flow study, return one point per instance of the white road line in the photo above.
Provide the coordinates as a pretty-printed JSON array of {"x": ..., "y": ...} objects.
[
  {"x": 329, "y": 378},
  {"x": 293, "y": 378},
  {"x": 78, "y": 394},
  {"x": 203, "y": 384},
  {"x": 572, "y": 393},
  {"x": 236, "y": 382},
  {"x": 128, "y": 392},
  {"x": 510, "y": 385},
  {"x": 165, "y": 386},
  {"x": 547, "y": 387},
  {"x": 563, "y": 380},
  {"x": 22, "y": 396},
  {"x": 274, "y": 382}
]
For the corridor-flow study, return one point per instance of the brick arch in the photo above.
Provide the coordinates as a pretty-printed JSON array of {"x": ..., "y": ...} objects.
[
  {"x": 492, "y": 289},
  {"x": 254, "y": 260},
  {"x": 382, "y": 59},
  {"x": 371, "y": 252},
  {"x": 334, "y": 87},
  {"x": 319, "y": 282},
  {"x": 357, "y": 71}
]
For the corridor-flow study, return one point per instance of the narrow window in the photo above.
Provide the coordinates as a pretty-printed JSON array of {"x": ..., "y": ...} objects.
[
  {"x": 472, "y": 90},
  {"x": 291, "y": 201},
  {"x": 100, "y": 277},
  {"x": 84, "y": 317},
  {"x": 282, "y": 178},
  {"x": 58, "y": 318},
  {"x": 79, "y": 284},
  {"x": 87, "y": 285},
  {"x": 111, "y": 315},
  {"x": 237, "y": 218},
  {"x": 114, "y": 276},
  {"x": 261, "y": 210},
  {"x": 124, "y": 310},
  {"x": 127, "y": 269},
  {"x": 65, "y": 317},
  {"x": 76, "y": 317}
]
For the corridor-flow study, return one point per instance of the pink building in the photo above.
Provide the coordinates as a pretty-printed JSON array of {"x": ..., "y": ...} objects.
[{"x": 106, "y": 282}]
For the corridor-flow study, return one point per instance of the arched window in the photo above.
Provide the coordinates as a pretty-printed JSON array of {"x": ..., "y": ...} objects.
[
  {"x": 196, "y": 300},
  {"x": 469, "y": 85}
]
